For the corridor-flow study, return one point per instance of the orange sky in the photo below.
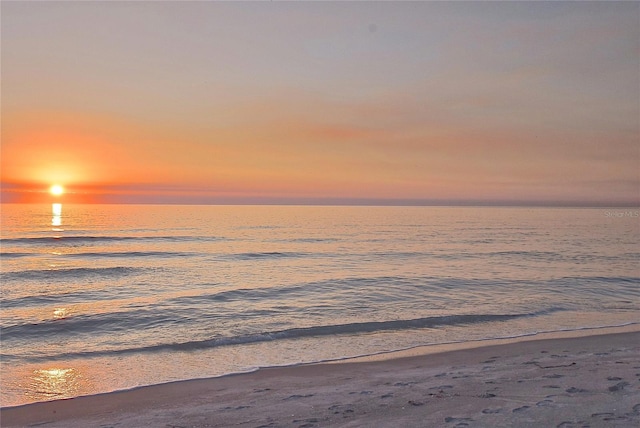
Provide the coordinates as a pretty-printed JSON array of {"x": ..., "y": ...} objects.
[{"x": 205, "y": 102}]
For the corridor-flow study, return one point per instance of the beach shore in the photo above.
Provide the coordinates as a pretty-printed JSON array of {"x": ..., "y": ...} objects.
[{"x": 546, "y": 381}]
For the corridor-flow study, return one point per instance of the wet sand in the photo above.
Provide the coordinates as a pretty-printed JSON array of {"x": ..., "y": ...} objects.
[{"x": 566, "y": 382}]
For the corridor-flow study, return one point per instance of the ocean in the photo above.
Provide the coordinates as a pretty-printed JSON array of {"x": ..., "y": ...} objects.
[{"x": 97, "y": 298}]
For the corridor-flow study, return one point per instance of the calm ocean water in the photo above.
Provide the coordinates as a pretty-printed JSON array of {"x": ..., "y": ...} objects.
[{"x": 96, "y": 298}]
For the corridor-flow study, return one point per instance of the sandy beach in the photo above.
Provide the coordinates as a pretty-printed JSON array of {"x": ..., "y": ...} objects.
[{"x": 593, "y": 381}]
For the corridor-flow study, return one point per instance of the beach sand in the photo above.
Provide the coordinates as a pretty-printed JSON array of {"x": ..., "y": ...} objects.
[{"x": 591, "y": 381}]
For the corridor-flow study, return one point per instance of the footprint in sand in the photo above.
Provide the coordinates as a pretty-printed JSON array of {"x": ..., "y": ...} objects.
[
  {"x": 296, "y": 396},
  {"x": 440, "y": 390},
  {"x": 441, "y": 387},
  {"x": 341, "y": 408},
  {"x": 487, "y": 395},
  {"x": 459, "y": 422},
  {"x": 603, "y": 416},
  {"x": 520, "y": 409},
  {"x": 491, "y": 411},
  {"x": 404, "y": 383},
  {"x": 545, "y": 403},
  {"x": 361, "y": 392},
  {"x": 235, "y": 408},
  {"x": 618, "y": 386},
  {"x": 549, "y": 397},
  {"x": 571, "y": 424},
  {"x": 311, "y": 422}
]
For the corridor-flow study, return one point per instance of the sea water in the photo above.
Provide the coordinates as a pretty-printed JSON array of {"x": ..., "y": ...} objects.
[{"x": 96, "y": 298}]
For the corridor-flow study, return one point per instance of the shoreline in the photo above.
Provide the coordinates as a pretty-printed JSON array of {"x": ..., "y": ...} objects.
[
  {"x": 413, "y": 351},
  {"x": 438, "y": 348},
  {"x": 477, "y": 382}
]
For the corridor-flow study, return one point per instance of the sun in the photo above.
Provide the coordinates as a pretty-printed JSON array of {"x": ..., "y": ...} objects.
[{"x": 56, "y": 190}]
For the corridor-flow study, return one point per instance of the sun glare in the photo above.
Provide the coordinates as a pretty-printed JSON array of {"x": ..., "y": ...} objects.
[{"x": 56, "y": 190}]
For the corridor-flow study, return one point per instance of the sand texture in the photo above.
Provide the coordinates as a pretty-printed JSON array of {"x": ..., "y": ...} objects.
[{"x": 591, "y": 381}]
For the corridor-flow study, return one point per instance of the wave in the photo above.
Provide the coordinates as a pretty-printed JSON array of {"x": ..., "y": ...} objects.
[
  {"x": 613, "y": 279},
  {"x": 29, "y": 301},
  {"x": 68, "y": 273},
  {"x": 309, "y": 240},
  {"x": 63, "y": 296},
  {"x": 105, "y": 254},
  {"x": 293, "y": 254},
  {"x": 266, "y": 255},
  {"x": 54, "y": 327},
  {"x": 12, "y": 255},
  {"x": 128, "y": 254},
  {"x": 96, "y": 324},
  {"x": 46, "y": 240},
  {"x": 386, "y": 289},
  {"x": 304, "y": 290},
  {"x": 531, "y": 254},
  {"x": 623, "y": 286}
]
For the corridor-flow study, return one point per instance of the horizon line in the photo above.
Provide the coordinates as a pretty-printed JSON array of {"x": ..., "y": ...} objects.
[{"x": 356, "y": 202}]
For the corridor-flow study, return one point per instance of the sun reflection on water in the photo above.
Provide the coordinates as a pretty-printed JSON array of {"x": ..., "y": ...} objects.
[
  {"x": 60, "y": 313},
  {"x": 56, "y": 220},
  {"x": 54, "y": 382}
]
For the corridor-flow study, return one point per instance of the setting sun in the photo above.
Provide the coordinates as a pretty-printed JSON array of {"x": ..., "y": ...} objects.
[{"x": 56, "y": 190}]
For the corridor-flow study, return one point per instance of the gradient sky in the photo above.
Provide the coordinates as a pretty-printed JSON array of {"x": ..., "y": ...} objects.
[{"x": 205, "y": 102}]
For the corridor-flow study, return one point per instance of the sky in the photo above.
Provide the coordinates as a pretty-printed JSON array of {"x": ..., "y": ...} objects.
[{"x": 323, "y": 102}]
